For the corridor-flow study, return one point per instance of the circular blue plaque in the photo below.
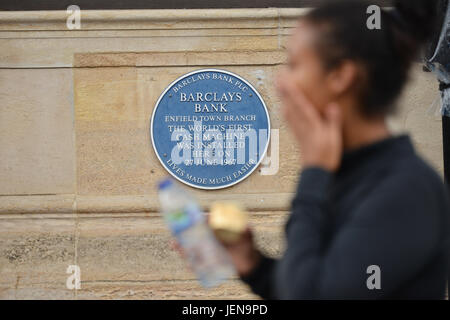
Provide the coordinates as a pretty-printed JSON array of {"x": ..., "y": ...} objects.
[{"x": 210, "y": 129}]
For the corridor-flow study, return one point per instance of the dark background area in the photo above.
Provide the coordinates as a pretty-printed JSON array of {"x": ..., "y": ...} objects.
[{"x": 160, "y": 4}]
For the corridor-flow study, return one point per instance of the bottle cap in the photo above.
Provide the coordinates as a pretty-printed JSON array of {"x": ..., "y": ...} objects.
[{"x": 164, "y": 184}]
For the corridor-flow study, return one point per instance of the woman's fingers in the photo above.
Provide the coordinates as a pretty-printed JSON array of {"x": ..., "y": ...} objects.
[
  {"x": 333, "y": 116},
  {"x": 303, "y": 106},
  {"x": 288, "y": 106},
  {"x": 299, "y": 112},
  {"x": 294, "y": 119},
  {"x": 319, "y": 135}
]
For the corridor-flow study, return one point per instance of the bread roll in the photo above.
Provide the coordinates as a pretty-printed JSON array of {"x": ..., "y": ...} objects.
[{"x": 228, "y": 221}]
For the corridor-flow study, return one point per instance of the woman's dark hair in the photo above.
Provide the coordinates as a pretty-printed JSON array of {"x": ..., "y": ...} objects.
[{"x": 385, "y": 54}]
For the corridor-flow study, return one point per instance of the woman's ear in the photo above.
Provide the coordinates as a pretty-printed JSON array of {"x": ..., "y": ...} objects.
[{"x": 343, "y": 77}]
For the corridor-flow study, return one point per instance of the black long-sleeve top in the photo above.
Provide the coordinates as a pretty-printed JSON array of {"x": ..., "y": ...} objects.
[{"x": 385, "y": 207}]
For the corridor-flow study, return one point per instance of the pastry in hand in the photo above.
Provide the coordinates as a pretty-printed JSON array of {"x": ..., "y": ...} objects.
[{"x": 228, "y": 221}]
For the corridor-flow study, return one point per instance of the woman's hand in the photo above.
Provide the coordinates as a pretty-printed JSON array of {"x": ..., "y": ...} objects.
[
  {"x": 319, "y": 137},
  {"x": 243, "y": 253}
]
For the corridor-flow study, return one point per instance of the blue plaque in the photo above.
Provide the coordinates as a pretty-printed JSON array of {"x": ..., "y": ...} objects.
[{"x": 210, "y": 129}]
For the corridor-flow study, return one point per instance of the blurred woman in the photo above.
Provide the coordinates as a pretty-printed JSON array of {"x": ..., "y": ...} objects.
[{"x": 366, "y": 203}]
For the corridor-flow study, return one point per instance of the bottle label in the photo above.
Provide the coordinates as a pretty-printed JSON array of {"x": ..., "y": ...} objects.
[{"x": 183, "y": 218}]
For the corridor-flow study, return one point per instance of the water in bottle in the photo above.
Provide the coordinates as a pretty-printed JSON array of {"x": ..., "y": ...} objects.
[{"x": 206, "y": 256}]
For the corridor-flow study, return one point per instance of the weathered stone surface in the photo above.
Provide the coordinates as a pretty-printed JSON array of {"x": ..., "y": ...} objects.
[
  {"x": 114, "y": 152},
  {"x": 129, "y": 258},
  {"x": 48, "y": 204},
  {"x": 181, "y": 59},
  {"x": 173, "y": 289},
  {"x": 35, "y": 252},
  {"x": 154, "y": 19},
  {"x": 419, "y": 115},
  {"x": 54, "y": 52},
  {"x": 36, "y": 132},
  {"x": 45, "y": 40},
  {"x": 37, "y": 204},
  {"x": 142, "y": 247},
  {"x": 120, "y": 256}
]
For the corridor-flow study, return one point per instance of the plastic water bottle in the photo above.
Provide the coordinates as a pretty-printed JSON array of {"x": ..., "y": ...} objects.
[{"x": 206, "y": 256}]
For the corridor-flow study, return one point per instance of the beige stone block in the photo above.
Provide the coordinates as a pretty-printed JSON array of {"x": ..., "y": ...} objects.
[
  {"x": 121, "y": 256},
  {"x": 35, "y": 252},
  {"x": 141, "y": 33},
  {"x": 37, "y": 204},
  {"x": 150, "y": 203},
  {"x": 54, "y": 52},
  {"x": 419, "y": 115},
  {"x": 163, "y": 290},
  {"x": 153, "y": 19},
  {"x": 41, "y": 39},
  {"x": 187, "y": 58},
  {"x": 289, "y": 16},
  {"x": 36, "y": 132},
  {"x": 137, "y": 248},
  {"x": 32, "y": 293},
  {"x": 114, "y": 153}
]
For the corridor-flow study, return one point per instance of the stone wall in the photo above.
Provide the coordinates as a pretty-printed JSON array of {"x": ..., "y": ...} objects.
[{"x": 77, "y": 170}]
